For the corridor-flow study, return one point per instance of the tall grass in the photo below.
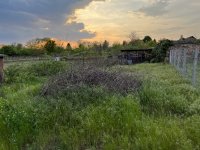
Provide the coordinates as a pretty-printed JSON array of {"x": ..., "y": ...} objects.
[
  {"x": 165, "y": 91},
  {"x": 164, "y": 114}
]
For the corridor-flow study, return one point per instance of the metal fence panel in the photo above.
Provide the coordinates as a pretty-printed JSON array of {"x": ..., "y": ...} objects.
[{"x": 186, "y": 59}]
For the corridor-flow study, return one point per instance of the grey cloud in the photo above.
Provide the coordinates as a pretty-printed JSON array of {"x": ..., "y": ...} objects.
[
  {"x": 21, "y": 20},
  {"x": 158, "y": 8}
]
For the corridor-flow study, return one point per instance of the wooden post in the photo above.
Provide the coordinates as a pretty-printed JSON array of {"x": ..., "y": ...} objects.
[
  {"x": 1, "y": 68},
  {"x": 170, "y": 56},
  {"x": 172, "y": 51},
  {"x": 184, "y": 61},
  {"x": 194, "y": 75}
]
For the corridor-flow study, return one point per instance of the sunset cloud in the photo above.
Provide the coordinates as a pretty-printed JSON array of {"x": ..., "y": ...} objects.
[{"x": 116, "y": 19}]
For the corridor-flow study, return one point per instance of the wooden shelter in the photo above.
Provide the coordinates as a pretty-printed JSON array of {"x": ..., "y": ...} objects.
[{"x": 133, "y": 56}]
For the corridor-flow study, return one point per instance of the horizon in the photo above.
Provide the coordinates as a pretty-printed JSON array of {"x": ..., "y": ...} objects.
[{"x": 97, "y": 20}]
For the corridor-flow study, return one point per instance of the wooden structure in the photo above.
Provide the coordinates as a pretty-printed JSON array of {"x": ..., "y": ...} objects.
[
  {"x": 133, "y": 56},
  {"x": 1, "y": 68}
]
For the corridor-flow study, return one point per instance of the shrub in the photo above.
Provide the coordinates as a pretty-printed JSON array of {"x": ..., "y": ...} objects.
[
  {"x": 47, "y": 68},
  {"x": 159, "y": 53},
  {"x": 8, "y": 50},
  {"x": 17, "y": 73}
]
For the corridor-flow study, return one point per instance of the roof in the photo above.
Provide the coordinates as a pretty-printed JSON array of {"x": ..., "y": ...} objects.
[
  {"x": 136, "y": 50},
  {"x": 189, "y": 40}
]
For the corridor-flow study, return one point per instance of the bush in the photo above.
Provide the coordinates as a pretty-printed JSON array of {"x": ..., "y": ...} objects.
[
  {"x": 159, "y": 53},
  {"x": 8, "y": 50},
  {"x": 18, "y": 74},
  {"x": 48, "y": 68}
]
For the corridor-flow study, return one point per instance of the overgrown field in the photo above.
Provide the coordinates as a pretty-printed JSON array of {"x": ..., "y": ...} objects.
[{"x": 49, "y": 105}]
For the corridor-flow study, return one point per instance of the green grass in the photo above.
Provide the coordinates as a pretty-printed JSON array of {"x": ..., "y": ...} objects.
[{"x": 164, "y": 114}]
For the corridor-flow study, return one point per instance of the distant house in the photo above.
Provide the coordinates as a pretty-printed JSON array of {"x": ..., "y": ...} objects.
[
  {"x": 182, "y": 48},
  {"x": 133, "y": 56},
  {"x": 189, "y": 43},
  {"x": 189, "y": 40}
]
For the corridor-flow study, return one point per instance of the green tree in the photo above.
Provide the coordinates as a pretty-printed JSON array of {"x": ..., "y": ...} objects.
[
  {"x": 133, "y": 38},
  {"x": 68, "y": 48},
  {"x": 59, "y": 50},
  {"x": 8, "y": 50},
  {"x": 105, "y": 45},
  {"x": 19, "y": 46},
  {"x": 50, "y": 46},
  {"x": 147, "y": 39},
  {"x": 125, "y": 43},
  {"x": 97, "y": 47},
  {"x": 160, "y": 51}
]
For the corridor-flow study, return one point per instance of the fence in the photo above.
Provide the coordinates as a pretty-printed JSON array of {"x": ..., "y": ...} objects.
[
  {"x": 24, "y": 59},
  {"x": 186, "y": 59}
]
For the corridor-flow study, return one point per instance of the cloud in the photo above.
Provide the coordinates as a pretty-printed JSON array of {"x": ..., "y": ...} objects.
[
  {"x": 22, "y": 20},
  {"x": 114, "y": 20},
  {"x": 157, "y": 8}
]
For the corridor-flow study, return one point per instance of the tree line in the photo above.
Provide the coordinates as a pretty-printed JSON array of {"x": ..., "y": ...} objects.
[{"x": 46, "y": 46}]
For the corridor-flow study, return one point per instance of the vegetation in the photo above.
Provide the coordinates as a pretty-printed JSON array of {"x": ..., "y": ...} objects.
[
  {"x": 163, "y": 114},
  {"x": 160, "y": 51},
  {"x": 147, "y": 39},
  {"x": 39, "y": 47}
]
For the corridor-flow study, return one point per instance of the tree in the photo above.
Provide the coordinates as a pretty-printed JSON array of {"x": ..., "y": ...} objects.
[
  {"x": 50, "y": 46},
  {"x": 198, "y": 41},
  {"x": 147, "y": 39},
  {"x": 160, "y": 51},
  {"x": 59, "y": 49},
  {"x": 81, "y": 47},
  {"x": 124, "y": 43},
  {"x": 19, "y": 46},
  {"x": 97, "y": 47},
  {"x": 8, "y": 50},
  {"x": 133, "y": 37},
  {"x": 33, "y": 43},
  {"x": 68, "y": 48},
  {"x": 105, "y": 45}
]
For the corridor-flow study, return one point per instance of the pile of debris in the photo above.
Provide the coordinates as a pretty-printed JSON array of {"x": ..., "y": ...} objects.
[{"x": 114, "y": 81}]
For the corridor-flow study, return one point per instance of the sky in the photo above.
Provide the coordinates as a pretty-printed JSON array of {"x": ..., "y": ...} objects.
[{"x": 97, "y": 20}]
